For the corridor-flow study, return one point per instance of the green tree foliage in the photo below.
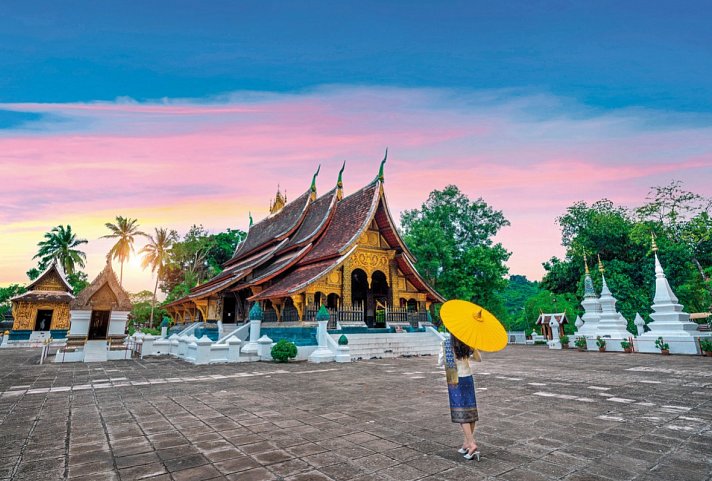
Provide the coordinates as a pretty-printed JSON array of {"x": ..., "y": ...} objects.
[
  {"x": 547, "y": 302},
  {"x": 451, "y": 237},
  {"x": 61, "y": 244},
  {"x": 7, "y": 293},
  {"x": 124, "y": 231},
  {"x": 155, "y": 255},
  {"x": 78, "y": 280},
  {"x": 142, "y": 303},
  {"x": 622, "y": 238},
  {"x": 196, "y": 258},
  {"x": 512, "y": 298}
]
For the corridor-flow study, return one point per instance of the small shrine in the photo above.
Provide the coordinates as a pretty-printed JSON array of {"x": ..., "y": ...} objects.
[
  {"x": 544, "y": 320},
  {"x": 611, "y": 324},
  {"x": 43, "y": 311}
]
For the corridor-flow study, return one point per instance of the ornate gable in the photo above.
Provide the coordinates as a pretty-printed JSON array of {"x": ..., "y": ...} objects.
[{"x": 103, "y": 293}]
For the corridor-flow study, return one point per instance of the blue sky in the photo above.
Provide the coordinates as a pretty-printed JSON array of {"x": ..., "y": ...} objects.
[{"x": 603, "y": 54}]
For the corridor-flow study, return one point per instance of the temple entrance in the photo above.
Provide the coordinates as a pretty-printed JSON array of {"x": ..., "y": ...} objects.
[
  {"x": 359, "y": 292},
  {"x": 332, "y": 301},
  {"x": 289, "y": 311},
  {"x": 372, "y": 299},
  {"x": 44, "y": 320},
  {"x": 99, "y": 324},
  {"x": 228, "y": 313},
  {"x": 379, "y": 297}
]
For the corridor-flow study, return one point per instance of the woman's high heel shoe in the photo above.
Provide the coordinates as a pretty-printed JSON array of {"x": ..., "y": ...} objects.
[
  {"x": 462, "y": 450},
  {"x": 473, "y": 455}
]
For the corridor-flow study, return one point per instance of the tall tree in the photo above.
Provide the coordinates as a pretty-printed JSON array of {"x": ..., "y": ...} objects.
[
  {"x": 451, "y": 237},
  {"x": 61, "y": 244},
  {"x": 155, "y": 255},
  {"x": 125, "y": 231}
]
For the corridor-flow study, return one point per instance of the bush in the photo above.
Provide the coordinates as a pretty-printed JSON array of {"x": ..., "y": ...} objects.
[
  {"x": 580, "y": 342},
  {"x": 661, "y": 344},
  {"x": 152, "y": 331},
  {"x": 706, "y": 345},
  {"x": 626, "y": 344},
  {"x": 284, "y": 350},
  {"x": 601, "y": 343},
  {"x": 564, "y": 339}
]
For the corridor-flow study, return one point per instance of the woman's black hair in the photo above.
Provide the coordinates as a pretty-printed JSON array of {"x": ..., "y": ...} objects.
[{"x": 461, "y": 350}]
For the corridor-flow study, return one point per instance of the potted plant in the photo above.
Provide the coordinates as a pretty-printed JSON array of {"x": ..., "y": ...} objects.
[
  {"x": 601, "y": 343},
  {"x": 663, "y": 346},
  {"x": 580, "y": 343},
  {"x": 627, "y": 346},
  {"x": 706, "y": 347},
  {"x": 284, "y": 350},
  {"x": 564, "y": 340}
]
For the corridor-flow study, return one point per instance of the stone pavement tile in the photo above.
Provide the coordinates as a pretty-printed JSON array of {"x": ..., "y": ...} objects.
[
  {"x": 272, "y": 457},
  {"x": 550, "y": 469},
  {"x": 310, "y": 476},
  {"x": 257, "y": 474},
  {"x": 91, "y": 468},
  {"x": 402, "y": 454},
  {"x": 522, "y": 474},
  {"x": 675, "y": 473},
  {"x": 136, "y": 460},
  {"x": 140, "y": 472},
  {"x": 374, "y": 462},
  {"x": 243, "y": 439},
  {"x": 234, "y": 465},
  {"x": 430, "y": 464},
  {"x": 306, "y": 449},
  {"x": 291, "y": 467},
  {"x": 198, "y": 473},
  {"x": 403, "y": 472},
  {"x": 222, "y": 454},
  {"x": 649, "y": 446},
  {"x": 324, "y": 459},
  {"x": 107, "y": 476},
  {"x": 259, "y": 447},
  {"x": 376, "y": 477},
  {"x": 89, "y": 457},
  {"x": 185, "y": 462},
  {"x": 177, "y": 452},
  {"x": 582, "y": 475},
  {"x": 342, "y": 471},
  {"x": 28, "y": 465},
  {"x": 355, "y": 451}
]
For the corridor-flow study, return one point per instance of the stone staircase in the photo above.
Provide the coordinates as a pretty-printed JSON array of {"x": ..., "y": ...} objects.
[
  {"x": 368, "y": 346},
  {"x": 95, "y": 351}
]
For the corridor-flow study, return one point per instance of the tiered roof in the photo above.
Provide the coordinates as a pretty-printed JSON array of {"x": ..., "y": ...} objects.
[
  {"x": 306, "y": 239},
  {"x": 107, "y": 277},
  {"x": 50, "y": 286}
]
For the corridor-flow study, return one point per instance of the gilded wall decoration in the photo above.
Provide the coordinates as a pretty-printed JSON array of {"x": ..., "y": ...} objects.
[
  {"x": 51, "y": 282},
  {"x": 25, "y": 315}
]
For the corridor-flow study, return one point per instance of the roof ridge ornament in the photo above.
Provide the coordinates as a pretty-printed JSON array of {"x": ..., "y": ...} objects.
[
  {"x": 313, "y": 184},
  {"x": 340, "y": 183},
  {"x": 380, "y": 177},
  {"x": 585, "y": 262},
  {"x": 249, "y": 214}
]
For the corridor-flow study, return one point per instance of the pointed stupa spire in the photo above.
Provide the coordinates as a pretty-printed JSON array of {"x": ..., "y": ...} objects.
[
  {"x": 279, "y": 201},
  {"x": 313, "y": 184},
  {"x": 663, "y": 291},
  {"x": 604, "y": 287},
  {"x": 588, "y": 290},
  {"x": 340, "y": 183},
  {"x": 380, "y": 176}
]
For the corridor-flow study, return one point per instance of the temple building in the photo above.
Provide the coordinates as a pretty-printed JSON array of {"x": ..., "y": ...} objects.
[
  {"x": 43, "y": 311},
  {"x": 343, "y": 252}
]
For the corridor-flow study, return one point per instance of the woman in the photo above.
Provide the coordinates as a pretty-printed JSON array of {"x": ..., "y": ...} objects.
[{"x": 461, "y": 391}]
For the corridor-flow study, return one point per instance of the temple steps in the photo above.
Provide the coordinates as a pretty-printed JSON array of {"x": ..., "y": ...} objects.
[
  {"x": 367, "y": 346},
  {"x": 95, "y": 351}
]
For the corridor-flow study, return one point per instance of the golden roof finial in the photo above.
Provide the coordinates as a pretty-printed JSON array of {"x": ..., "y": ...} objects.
[
  {"x": 585, "y": 262},
  {"x": 279, "y": 201},
  {"x": 655, "y": 245},
  {"x": 600, "y": 265}
]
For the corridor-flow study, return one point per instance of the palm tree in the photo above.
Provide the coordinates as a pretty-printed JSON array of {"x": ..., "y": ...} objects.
[
  {"x": 124, "y": 230},
  {"x": 155, "y": 254},
  {"x": 60, "y": 245}
]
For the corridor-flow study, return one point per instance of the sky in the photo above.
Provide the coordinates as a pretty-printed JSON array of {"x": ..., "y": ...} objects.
[{"x": 185, "y": 112}]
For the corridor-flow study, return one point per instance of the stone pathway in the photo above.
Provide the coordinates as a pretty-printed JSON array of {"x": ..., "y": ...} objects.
[{"x": 545, "y": 415}]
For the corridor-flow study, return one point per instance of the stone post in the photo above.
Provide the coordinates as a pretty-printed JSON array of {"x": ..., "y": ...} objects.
[
  {"x": 639, "y": 324},
  {"x": 202, "y": 354},
  {"x": 555, "y": 343},
  {"x": 174, "y": 344},
  {"x": 322, "y": 353},
  {"x": 233, "y": 353},
  {"x": 256, "y": 316},
  {"x": 147, "y": 348},
  {"x": 264, "y": 348}
]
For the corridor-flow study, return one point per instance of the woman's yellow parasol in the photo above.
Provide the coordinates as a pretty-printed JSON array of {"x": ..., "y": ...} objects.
[{"x": 474, "y": 325}]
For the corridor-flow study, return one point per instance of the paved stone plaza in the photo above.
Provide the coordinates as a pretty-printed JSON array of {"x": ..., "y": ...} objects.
[{"x": 544, "y": 415}]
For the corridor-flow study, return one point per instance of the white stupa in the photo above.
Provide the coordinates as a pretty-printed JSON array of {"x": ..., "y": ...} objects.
[
  {"x": 612, "y": 325},
  {"x": 591, "y": 307},
  {"x": 669, "y": 320},
  {"x": 639, "y": 324}
]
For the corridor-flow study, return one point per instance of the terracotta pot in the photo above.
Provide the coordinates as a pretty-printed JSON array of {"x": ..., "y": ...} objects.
[
  {"x": 601, "y": 349},
  {"x": 628, "y": 349},
  {"x": 665, "y": 352},
  {"x": 565, "y": 346},
  {"x": 708, "y": 353},
  {"x": 580, "y": 349}
]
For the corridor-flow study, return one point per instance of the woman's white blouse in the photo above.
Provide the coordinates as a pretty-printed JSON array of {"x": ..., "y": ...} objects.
[{"x": 463, "y": 365}]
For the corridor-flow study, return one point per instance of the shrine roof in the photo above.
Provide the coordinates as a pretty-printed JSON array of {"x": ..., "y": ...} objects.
[
  {"x": 545, "y": 318},
  {"x": 349, "y": 220},
  {"x": 279, "y": 265},
  {"x": 55, "y": 268},
  {"x": 274, "y": 227},
  {"x": 44, "y": 296},
  {"x": 106, "y": 277},
  {"x": 316, "y": 219}
]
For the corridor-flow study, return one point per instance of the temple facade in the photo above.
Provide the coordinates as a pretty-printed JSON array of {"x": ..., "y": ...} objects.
[
  {"x": 343, "y": 252},
  {"x": 43, "y": 311}
]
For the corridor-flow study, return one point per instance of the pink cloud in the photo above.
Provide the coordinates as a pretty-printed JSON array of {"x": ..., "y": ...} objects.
[{"x": 183, "y": 162}]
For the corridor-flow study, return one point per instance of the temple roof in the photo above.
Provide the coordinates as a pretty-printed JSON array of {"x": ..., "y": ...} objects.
[
  {"x": 315, "y": 221},
  {"x": 56, "y": 269},
  {"x": 273, "y": 228},
  {"x": 559, "y": 316},
  {"x": 107, "y": 277},
  {"x": 44, "y": 296}
]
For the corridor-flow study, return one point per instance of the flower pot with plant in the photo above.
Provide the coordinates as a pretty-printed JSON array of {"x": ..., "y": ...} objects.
[
  {"x": 663, "y": 346},
  {"x": 627, "y": 346},
  {"x": 601, "y": 343},
  {"x": 580, "y": 343},
  {"x": 706, "y": 347},
  {"x": 564, "y": 340}
]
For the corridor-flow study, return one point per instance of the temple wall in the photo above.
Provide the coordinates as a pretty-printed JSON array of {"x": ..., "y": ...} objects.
[
  {"x": 117, "y": 323},
  {"x": 80, "y": 323},
  {"x": 25, "y": 314}
]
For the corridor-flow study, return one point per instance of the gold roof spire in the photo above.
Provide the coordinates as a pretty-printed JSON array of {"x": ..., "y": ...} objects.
[
  {"x": 600, "y": 265},
  {"x": 655, "y": 245},
  {"x": 585, "y": 262},
  {"x": 279, "y": 201}
]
